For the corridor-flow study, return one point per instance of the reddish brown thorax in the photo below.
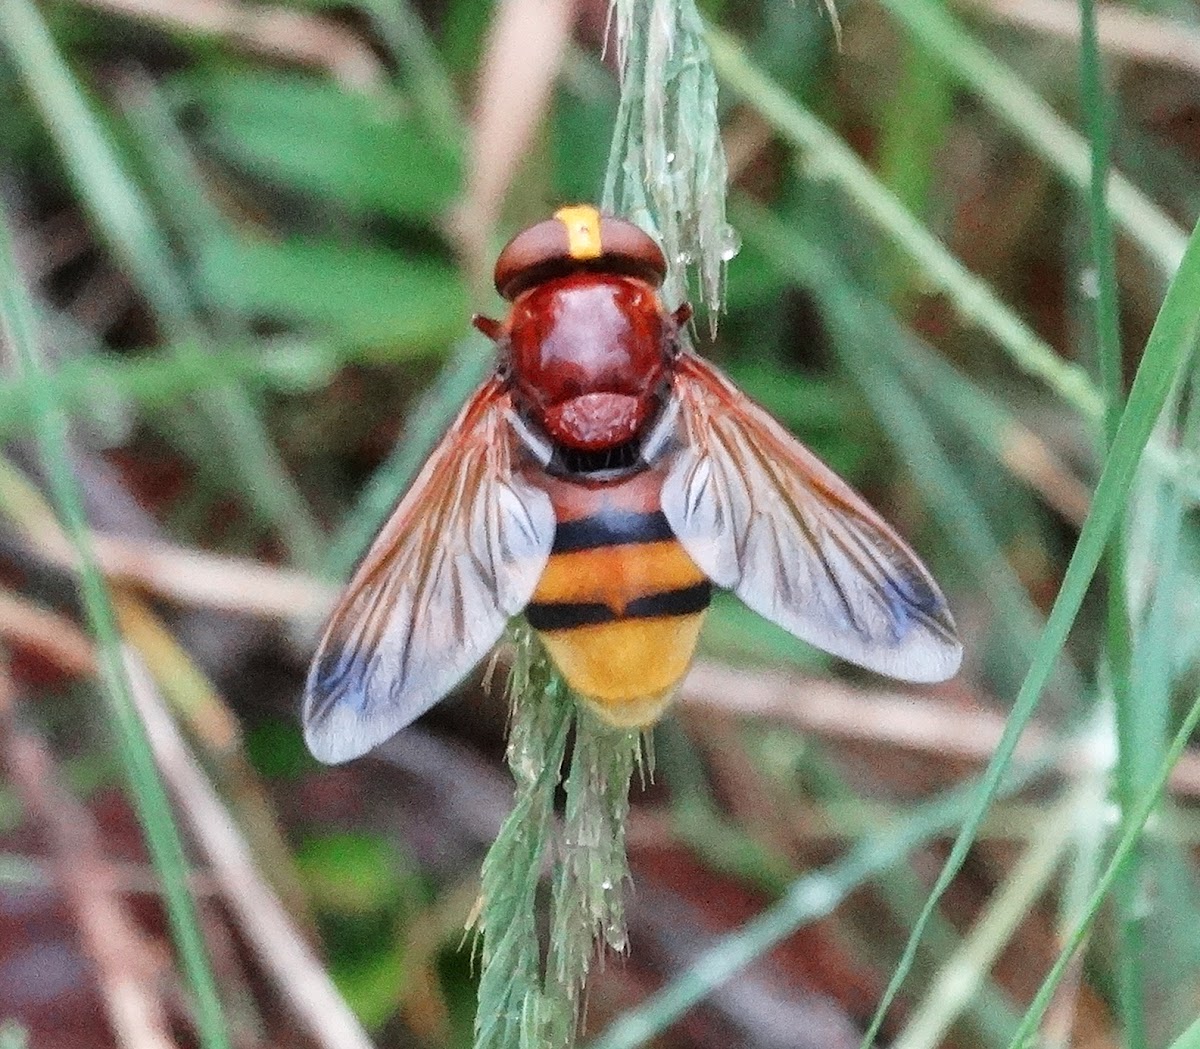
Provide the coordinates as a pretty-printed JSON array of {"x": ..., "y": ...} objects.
[
  {"x": 587, "y": 339},
  {"x": 587, "y": 353}
]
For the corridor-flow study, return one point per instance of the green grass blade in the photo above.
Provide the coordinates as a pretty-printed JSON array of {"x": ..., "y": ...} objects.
[
  {"x": 1162, "y": 581},
  {"x": 429, "y": 83},
  {"x": 154, "y": 811},
  {"x": 810, "y": 897},
  {"x": 828, "y": 157},
  {"x": 1170, "y": 346},
  {"x": 915, "y": 124},
  {"x": 1134, "y": 825},
  {"x": 173, "y": 179},
  {"x": 90, "y": 387},
  {"x": 1108, "y": 330},
  {"x": 1028, "y": 115},
  {"x": 1190, "y": 1039},
  {"x": 125, "y": 219},
  {"x": 1119, "y": 644}
]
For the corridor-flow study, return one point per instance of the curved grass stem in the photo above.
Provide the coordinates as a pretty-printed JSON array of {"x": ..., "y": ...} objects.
[
  {"x": 828, "y": 157},
  {"x": 147, "y": 791},
  {"x": 1026, "y": 113}
]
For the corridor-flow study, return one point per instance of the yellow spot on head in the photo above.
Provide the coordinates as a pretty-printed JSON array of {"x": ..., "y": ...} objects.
[{"x": 583, "y": 230}]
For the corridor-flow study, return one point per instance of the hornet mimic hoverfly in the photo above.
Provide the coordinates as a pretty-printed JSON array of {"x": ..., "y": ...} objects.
[{"x": 602, "y": 481}]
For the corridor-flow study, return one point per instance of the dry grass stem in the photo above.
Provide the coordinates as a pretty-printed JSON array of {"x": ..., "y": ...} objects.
[
  {"x": 1033, "y": 461},
  {"x": 962, "y": 977},
  {"x": 182, "y": 574},
  {"x": 129, "y": 878},
  {"x": 834, "y": 710},
  {"x": 217, "y": 581},
  {"x": 1122, "y": 31},
  {"x": 130, "y": 972},
  {"x": 525, "y": 51},
  {"x": 215, "y": 730},
  {"x": 193, "y": 577},
  {"x": 283, "y": 953},
  {"x": 295, "y": 36},
  {"x": 22, "y": 622},
  {"x": 208, "y": 718}
]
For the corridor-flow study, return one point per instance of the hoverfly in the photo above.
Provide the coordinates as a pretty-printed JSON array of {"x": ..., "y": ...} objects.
[{"x": 602, "y": 481}]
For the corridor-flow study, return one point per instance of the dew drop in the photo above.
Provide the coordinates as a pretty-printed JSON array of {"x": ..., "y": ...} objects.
[
  {"x": 729, "y": 243},
  {"x": 1089, "y": 283}
]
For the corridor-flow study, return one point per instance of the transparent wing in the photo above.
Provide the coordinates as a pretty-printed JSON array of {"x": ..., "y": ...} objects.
[
  {"x": 461, "y": 553},
  {"x": 762, "y": 516}
]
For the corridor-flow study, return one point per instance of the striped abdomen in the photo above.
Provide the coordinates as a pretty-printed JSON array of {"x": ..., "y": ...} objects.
[{"x": 620, "y": 603}]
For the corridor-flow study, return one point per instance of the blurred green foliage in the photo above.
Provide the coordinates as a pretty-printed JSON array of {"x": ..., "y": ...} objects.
[{"x": 245, "y": 274}]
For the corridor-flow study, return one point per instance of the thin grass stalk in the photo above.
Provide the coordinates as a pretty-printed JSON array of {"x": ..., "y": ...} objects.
[
  {"x": 519, "y": 1007},
  {"x": 1091, "y": 837},
  {"x": 149, "y": 796},
  {"x": 1103, "y": 248},
  {"x": 1162, "y": 583},
  {"x": 1119, "y": 645},
  {"x": 962, "y": 975},
  {"x": 1023, "y": 110},
  {"x": 174, "y": 179},
  {"x": 120, "y": 215},
  {"x": 978, "y": 414},
  {"x": 810, "y": 897},
  {"x": 1190, "y": 1039},
  {"x": 950, "y": 504},
  {"x": 429, "y": 85},
  {"x": 990, "y": 1015},
  {"x": 588, "y": 902},
  {"x": 124, "y": 218},
  {"x": 1130, "y": 836},
  {"x": 827, "y": 157},
  {"x": 1168, "y": 350}
]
